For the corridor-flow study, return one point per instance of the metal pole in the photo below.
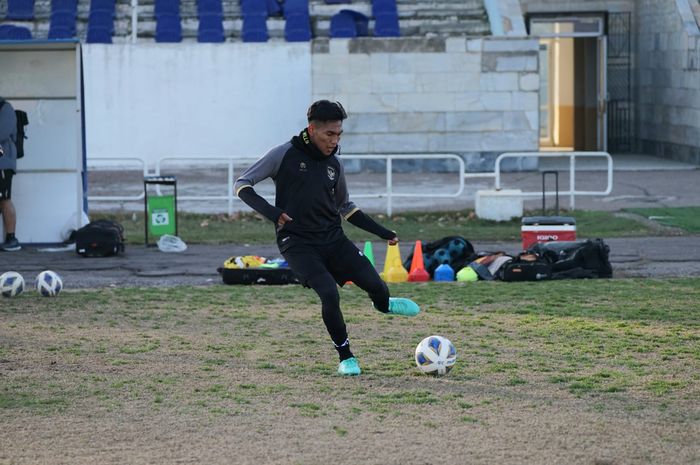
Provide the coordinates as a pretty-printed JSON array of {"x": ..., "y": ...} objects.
[
  {"x": 389, "y": 180},
  {"x": 230, "y": 187},
  {"x": 572, "y": 181}
]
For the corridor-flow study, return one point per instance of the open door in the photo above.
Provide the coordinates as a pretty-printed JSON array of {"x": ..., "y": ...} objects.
[{"x": 573, "y": 96}]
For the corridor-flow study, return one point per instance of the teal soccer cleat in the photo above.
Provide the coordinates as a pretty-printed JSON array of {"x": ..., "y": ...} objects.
[
  {"x": 349, "y": 367},
  {"x": 403, "y": 306}
]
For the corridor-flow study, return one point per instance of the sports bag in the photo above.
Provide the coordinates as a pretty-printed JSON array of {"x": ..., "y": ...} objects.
[
  {"x": 527, "y": 266},
  {"x": 576, "y": 259},
  {"x": 100, "y": 238}
]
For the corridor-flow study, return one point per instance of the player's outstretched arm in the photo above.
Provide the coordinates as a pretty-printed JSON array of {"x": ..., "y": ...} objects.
[{"x": 361, "y": 220}]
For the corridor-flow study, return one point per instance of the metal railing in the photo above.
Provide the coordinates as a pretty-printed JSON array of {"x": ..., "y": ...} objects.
[
  {"x": 233, "y": 162},
  {"x": 389, "y": 192},
  {"x": 572, "y": 192}
]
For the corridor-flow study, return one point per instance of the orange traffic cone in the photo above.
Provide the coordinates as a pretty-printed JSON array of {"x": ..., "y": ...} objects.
[{"x": 418, "y": 273}]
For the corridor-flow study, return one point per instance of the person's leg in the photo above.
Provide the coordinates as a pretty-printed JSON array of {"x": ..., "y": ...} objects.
[
  {"x": 9, "y": 217},
  {"x": 351, "y": 265},
  {"x": 308, "y": 264}
]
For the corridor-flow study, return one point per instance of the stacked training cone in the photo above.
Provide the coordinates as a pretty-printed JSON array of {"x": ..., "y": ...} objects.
[
  {"x": 368, "y": 252},
  {"x": 394, "y": 272},
  {"x": 418, "y": 272}
]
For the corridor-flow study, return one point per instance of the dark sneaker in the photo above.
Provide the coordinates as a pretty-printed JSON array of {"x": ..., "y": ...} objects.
[
  {"x": 11, "y": 246},
  {"x": 403, "y": 306},
  {"x": 349, "y": 367}
]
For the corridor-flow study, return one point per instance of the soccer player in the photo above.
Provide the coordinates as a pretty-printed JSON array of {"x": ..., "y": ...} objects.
[{"x": 311, "y": 196}]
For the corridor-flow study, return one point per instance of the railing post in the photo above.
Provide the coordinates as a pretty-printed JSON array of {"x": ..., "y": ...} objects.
[
  {"x": 230, "y": 187},
  {"x": 389, "y": 180},
  {"x": 572, "y": 181}
]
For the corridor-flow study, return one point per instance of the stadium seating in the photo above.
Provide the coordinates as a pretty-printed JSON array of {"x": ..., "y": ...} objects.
[
  {"x": 167, "y": 7},
  {"x": 296, "y": 7},
  {"x": 211, "y": 29},
  {"x": 22, "y": 10},
  {"x": 254, "y": 29},
  {"x": 297, "y": 27},
  {"x": 102, "y": 5},
  {"x": 386, "y": 24},
  {"x": 384, "y": 6},
  {"x": 168, "y": 28},
  {"x": 209, "y": 7},
  {"x": 337, "y": 2},
  {"x": 62, "y": 25},
  {"x": 343, "y": 26},
  {"x": 100, "y": 27},
  {"x": 254, "y": 8},
  {"x": 361, "y": 22},
  {"x": 11, "y": 32}
]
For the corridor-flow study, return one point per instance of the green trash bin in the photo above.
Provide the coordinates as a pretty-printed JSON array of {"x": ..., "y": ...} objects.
[{"x": 160, "y": 211}]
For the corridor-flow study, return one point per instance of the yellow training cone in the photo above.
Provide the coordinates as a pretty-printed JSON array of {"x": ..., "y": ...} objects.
[{"x": 394, "y": 272}]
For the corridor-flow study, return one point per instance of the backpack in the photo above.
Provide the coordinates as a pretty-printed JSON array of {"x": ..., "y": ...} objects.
[
  {"x": 576, "y": 259},
  {"x": 100, "y": 238},
  {"x": 22, "y": 121},
  {"x": 456, "y": 251}
]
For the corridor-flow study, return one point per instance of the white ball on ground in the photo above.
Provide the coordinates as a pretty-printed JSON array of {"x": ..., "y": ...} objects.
[
  {"x": 11, "y": 284},
  {"x": 435, "y": 355},
  {"x": 49, "y": 283}
]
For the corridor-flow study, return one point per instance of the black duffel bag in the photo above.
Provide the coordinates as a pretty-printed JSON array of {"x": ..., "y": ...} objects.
[{"x": 100, "y": 238}]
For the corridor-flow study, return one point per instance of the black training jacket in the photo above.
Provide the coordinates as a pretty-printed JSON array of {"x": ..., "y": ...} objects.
[{"x": 309, "y": 187}]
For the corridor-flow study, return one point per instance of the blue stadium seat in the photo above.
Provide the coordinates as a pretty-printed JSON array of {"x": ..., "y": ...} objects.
[
  {"x": 211, "y": 29},
  {"x": 62, "y": 24},
  {"x": 64, "y": 5},
  {"x": 167, "y": 7},
  {"x": 209, "y": 7},
  {"x": 102, "y": 5},
  {"x": 99, "y": 34},
  {"x": 361, "y": 22},
  {"x": 11, "y": 32},
  {"x": 297, "y": 27},
  {"x": 296, "y": 7},
  {"x": 254, "y": 8},
  {"x": 168, "y": 28},
  {"x": 383, "y": 6},
  {"x": 343, "y": 26},
  {"x": 386, "y": 25},
  {"x": 100, "y": 27},
  {"x": 254, "y": 29},
  {"x": 20, "y": 9},
  {"x": 337, "y": 2}
]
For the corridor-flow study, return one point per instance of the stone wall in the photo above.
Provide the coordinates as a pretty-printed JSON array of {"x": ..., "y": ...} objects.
[
  {"x": 668, "y": 73},
  {"x": 470, "y": 96}
]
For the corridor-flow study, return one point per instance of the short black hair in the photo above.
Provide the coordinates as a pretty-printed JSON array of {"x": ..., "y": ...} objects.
[{"x": 325, "y": 110}]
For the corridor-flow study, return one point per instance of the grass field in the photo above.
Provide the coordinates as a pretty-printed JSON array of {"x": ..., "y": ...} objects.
[{"x": 574, "y": 372}]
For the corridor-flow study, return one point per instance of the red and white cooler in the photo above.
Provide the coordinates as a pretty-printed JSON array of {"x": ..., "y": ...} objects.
[{"x": 547, "y": 228}]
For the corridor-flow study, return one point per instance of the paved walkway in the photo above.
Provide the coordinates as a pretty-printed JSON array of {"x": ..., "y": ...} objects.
[
  {"x": 639, "y": 181},
  {"x": 141, "y": 266}
]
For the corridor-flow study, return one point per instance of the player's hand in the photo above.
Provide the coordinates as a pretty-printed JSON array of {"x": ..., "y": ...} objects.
[
  {"x": 283, "y": 219},
  {"x": 393, "y": 241}
]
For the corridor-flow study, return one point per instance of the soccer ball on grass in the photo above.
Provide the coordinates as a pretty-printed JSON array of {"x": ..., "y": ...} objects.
[
  {"x": 11, "y": 284},
  {"x": 435, "y": 355},
  {"x": 48, "y": 283}
]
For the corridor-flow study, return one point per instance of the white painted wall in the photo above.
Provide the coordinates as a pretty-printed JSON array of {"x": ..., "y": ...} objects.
[{"x": 162, "y": 100}]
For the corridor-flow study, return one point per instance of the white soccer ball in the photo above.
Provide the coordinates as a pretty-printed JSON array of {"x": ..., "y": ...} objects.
[
  {"x": 11, "y": 284},
  {"x": 48, "y": 283},
  {"x": 435, "y": 355}
]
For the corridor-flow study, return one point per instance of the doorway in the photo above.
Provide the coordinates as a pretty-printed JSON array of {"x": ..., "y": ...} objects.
[{"x": 572, "y": 56}]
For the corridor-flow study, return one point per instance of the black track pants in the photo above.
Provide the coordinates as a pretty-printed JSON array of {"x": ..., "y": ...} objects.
[{"x": 322, "y": 267}]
